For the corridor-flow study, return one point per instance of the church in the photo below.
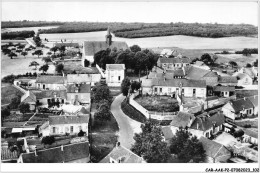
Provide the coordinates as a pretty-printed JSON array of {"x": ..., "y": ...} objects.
[{"x": 92, "y": 47}]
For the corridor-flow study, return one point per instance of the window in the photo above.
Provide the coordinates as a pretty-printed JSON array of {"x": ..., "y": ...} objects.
[
  {"x": 119, "y": 78},
  {"x": 169, "y": 90},
  {"x": 54, "y": 129},
  {"x": 194, "y": 91},
  {"x": 160, "y": 89},
  {"x": 182, "y": 91},
  {"x": 155, "y": 89},
  {"x": 71, "y": 129},
  {"x": 250, "y": 111}
]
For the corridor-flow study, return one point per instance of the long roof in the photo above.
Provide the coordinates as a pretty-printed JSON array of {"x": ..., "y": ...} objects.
[
  {"x": 196, "y": 72},
  {"x": 175, "y": 60},
  {"x": 182, "y": 119},
  {"x": 50, "y": 94},
  {"x": 56, "y": 120},
  {"x": 241, "y": 104},
  {"x": 66, "y": 44},
  {"x": 29, "y": 95},
  {"x": 82, "y": 88},
  {"x": 50, "y": 79},
  {"x": 92, "y": 47},
  {"x": 115, "y": 67},
  {"x": 167, "y": 132},
  {"x": 70, "y": 68},
  {"x": 56, "y": 155},
  {"x": 224, "y": 88},
  {"x": 177, "y": 82},
  {"x": 227, "y": 79}
]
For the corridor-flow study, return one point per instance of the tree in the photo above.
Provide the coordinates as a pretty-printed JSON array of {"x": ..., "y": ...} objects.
[
  {"x": 81, "y": 133},
  {"x": 19, "y": 51},
  {"x": 49, "y": 53},
  {"x": 27, "y": 49},
  {"x": 4, "y": 113},
  {"x": 233, "y": 64},
  {"x": 48, "y": 140},
  {"x": 86, "y": 63},
  {"x": 103, "y": 57},
  {"x": 100, "y": 91},
  {"x": 15, "y": 102},
  {"x": 135, "y": 48},
  {"x": 34, "y": 63},
  {"x": 59, "y": 68},
  {"x": 125, "y": 85},
  {"x": 206, "y": 58},
  {"x": 239, "y": 133},
  {"x": 187, "y": 147},
  {"x": 135, "y": 86},
  {"x": 38, "y": 53},
  {"x": 54, "y": 49},
  {"x": 12, "y": 54},
  {"x": 62, "y": 49},
  {"x": 255, "y": 64},
  {"x": 24, "y": 53},
  {"x": 103, "y": 113},
  {"x": 46, "y": 59},
  {"x": 248, "y": 65},
  {"x": 24, "y": 107},
  {"x": 149, "y": 144},
  {"x": 44, "y": 68},
  {"x": 6, "y": 51}
]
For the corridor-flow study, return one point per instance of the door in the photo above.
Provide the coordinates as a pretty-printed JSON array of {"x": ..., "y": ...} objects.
[
  {"x": 194, "y": 92},
  {"x": 43, "y": 86}
]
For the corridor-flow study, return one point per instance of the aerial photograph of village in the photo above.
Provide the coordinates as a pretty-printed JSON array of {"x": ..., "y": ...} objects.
[{"x": 129, "y": 82}]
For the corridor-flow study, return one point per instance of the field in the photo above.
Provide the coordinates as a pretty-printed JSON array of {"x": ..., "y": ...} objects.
[
  {"x": 240, "y": 59},
  {"x": 158, "y": 103},
  {"x": 8, "y": 93}
]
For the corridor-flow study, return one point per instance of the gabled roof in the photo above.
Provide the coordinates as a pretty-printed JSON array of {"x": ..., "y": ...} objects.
[
  {"x": 92, "y": 47},
  {"x": 254, "y": 100},
  {"x": 50, "y": 79},
  {"x": 182, "y": 119},
  {"x": 82, "y": 88},
  {"x": 115, "y": 67},
  {"x": 55, "y": 120},
  {"x": 204, "y": 123},
  {"x": 56, "y": 155},
  {"x": 212, "y": 148},
  {"x": 240, "y": 104},
  {"x": 227, "y": 79},
  {"x": 66, "y": 44},
  {"x": 70, "y": 68},
  {"x": 211, "y": 74},
  {"x": 167, "y": 132},
  {"x": 175, "y": 60},
  {"x": 177, "y": 82},
  {"x": 196, "y": 73},
  {"x": 167, "y": 52},
  {"x": 224, "y": 88},
  {"x": 28, "y": 95},
  {"x": 123, "y": 154},
  {"x": 50, "y": 94}
]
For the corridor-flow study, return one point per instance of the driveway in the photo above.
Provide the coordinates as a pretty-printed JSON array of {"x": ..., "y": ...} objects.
[{"x": 127, "y": 126}]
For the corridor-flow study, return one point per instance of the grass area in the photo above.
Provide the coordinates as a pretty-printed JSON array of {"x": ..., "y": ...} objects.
[
  {"x": 253, "y": 123},
  {"x": 8, "y": 93},
  {"x": 132, "y": 112},
  {"x": 246, "y": 93},
  {"x": 18, "y": 117},
  {"x": 158, "y": 103},
  {"x": 240, "y": 59},
  {"x": 104, "y": 138},
  {"x": 39, "y": 119}
]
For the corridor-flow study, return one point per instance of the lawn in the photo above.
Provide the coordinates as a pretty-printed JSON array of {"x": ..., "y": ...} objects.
[
  {"x": 158, "y": 103},
  {"x": 18, "y": 117},
  {"x": 246, "y": 93},
  {"x": 240, "y": 59},
  {"x": 252, "y": 122},
  {"x": 8, "y": 93}
]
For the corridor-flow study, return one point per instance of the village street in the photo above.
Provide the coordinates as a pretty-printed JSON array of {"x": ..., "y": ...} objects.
[{"x": 127, "y": 126}]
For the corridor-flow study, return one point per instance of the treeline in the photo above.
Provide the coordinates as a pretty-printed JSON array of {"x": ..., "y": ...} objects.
[
  {"x": 138, "y": 30},
  {"x": 27, "y": 23},
  {"x": 247, "y": 51},
  {"x": 18, "y": 35}
]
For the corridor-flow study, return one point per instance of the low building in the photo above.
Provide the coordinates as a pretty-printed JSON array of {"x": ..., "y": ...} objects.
[
  {"x": 79, "y": 94},
  {"x": 173, "y": 63},
  {"x": 168, "y": 52},
  {"x": 215, "y": 152},
  {"x": 120, "y": 154},
  {"x": 50, "y": 97},
  {"x": 227, "y": 80},
  {"x": 243, "y": 79},
  {"x": 62, "y": 125},
  {"x": 115, "y": 74},
  {"x": 74, "y": 110},
  {"x": 71, "y": 153},
  {"x": 66, "y": 44},
  {"x": 29, "y": 98},
  {"x": 224, "y": 91},
  {"x": 46, "y": 82},
  {"x": 239, "y": 108}
]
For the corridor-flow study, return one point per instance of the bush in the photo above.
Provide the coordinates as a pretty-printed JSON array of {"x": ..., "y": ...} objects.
[
  {"x": 247, "y": 126},
  {"x": 48, "y": 140}
]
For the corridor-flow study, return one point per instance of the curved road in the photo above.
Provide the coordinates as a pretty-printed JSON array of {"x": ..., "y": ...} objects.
[{"x": 127, "y": 126}]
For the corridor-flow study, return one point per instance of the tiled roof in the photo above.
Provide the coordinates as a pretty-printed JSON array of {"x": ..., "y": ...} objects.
[
  {"x": 177, "y": 82},
  {"x": 70, "y": 68},
  {"x": 115, "y": 66},
  {"x": 123, "y": 154},
  {"x": 6, "y": 154},
  {"x": 179, "y": 72},
  {"x": 175, "y": 60},
  {"x": 66, "y": 44},
  {"x": 227, "y": 79},
  {"x": 82, "y": 88},
  {"x": 241, "y": 104},
  {"x": 167, "y": 52},
  {"x": 254, "y": 100},
  {"x": 167, "y": 132},
  {"x": 224, "y": 88},
  {"x": 182, "y": 119},
  {"x": 56, "y": 155},
  {"x": 92, "y": 47},
  {"x": 212, "y": 148},
  {"x": 211, "y": 74},
  {"x": 251, "y": 133},
  {"x": 54, "y": 120},
  {"x": 50, "y": 94},
  {"x": 205, "y": 123},
  {"x": 196, "y": 73},
  {"x": 74, "y": 109},
  {"x": 50, "y": 79},
  {"x": 29, "y": 95}
]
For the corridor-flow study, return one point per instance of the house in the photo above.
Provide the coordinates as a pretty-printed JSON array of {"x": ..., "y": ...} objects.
[
  {"x": 115, "y": 74},
  {"x": 66, "y": 44},
  {"x": 120, "y": 154},
  {"x": 215, "y": 152},
  {"x": 250, "y": 136},
  {"x": 181, "y": 120},
  {"x": 188, "y": 88},
  {"x": 254, "y": 101},
  {"x": 79, "y": 94},
  {"x": 50, "y": 97},
  {"x": 243, "y": 79},
  {"x": 46, "y": 82},
  {"x": 29, "y": 98},
  {"x": 71, "y": 153},
  {"x": 202, "y": 65},
  {"x": 227, "y": 80},
  {"x": 224, "y": 91},
  {"x": 168, "y": 52},
  {"x": 252, "y": 72},
  {"x": 173, "y": 63},
  {"x": 27, "y": 82},
  {"x": 239, "y": 108},
  {"x": 207, "y": 126},
  {"x": 62, "y": 125},
  {"x": 92, "y": 47}
]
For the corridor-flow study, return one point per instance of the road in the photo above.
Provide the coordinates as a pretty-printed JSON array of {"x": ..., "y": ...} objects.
[{"x": 127, "y": 126}]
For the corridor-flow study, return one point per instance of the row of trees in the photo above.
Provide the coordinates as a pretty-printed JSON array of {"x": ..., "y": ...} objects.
[
  {"x": 247, "y": 52},
  {"x": 128, "y": 85},
  {"x": 207, "y": 59},
  {"x": 18, "y": 35},
  {"x": 150, "y": 145},
  {"x": 135, "y": 59}
]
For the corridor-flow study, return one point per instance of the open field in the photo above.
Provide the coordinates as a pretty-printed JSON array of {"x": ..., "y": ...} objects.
[
  {"x": 240, "y": 59},
  {"x": 8, "y": 93}
]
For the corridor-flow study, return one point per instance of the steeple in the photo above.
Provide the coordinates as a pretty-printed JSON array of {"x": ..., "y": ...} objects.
[{"x": 108, "y": 37}]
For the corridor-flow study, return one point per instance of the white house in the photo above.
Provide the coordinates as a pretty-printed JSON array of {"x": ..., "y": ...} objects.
[
  {"x": 79, "y": 94},
  {"x": 243, "y": 79},
  {"x": 254, "y": 101},
  {"x": 173, "y": 63},
  {"x": 238, "y": 108},
  {"x": 250, "y": 136},
  {"x": 61, "y": 125},
  {"x": 29, "y": 98},
  {"x": 46, "y": 82},
  {"x": 115, "y": 74},
  {"x": 224, "y": 91},
  {"x": 46, "y": 97}
]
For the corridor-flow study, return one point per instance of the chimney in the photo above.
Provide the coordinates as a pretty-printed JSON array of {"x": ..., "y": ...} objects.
[
  {"x": 61, "y": 147},
  {"x": 197, "y": 125},
  {"x": 117, "y": 144},
  {"x": 183, "y": 69},
  {"x": 244, "y": 98},
  {"x": 164, "y": 78},
  {"x": 35, "y": 153}
]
